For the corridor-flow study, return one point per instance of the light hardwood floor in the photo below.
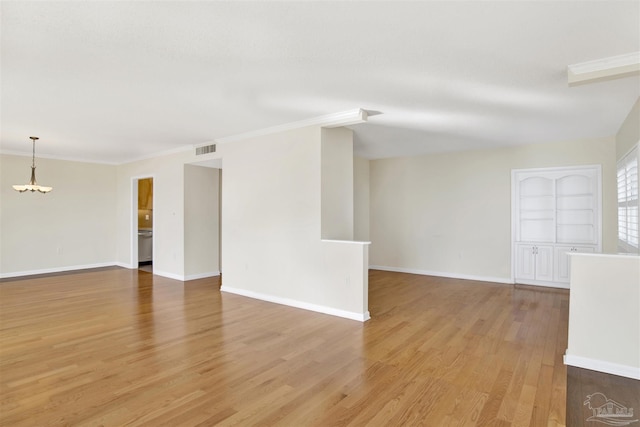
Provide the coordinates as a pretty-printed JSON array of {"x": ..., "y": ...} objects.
[{"x": 120, "y": 347}]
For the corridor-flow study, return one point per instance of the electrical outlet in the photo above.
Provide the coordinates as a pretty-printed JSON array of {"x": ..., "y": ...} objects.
[
  {"x": 59, "y": 250},
  {"x": 146, "y": 217}
]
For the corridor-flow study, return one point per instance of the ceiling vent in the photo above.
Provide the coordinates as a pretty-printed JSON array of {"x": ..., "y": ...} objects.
[{"x": 205, "y": 149}]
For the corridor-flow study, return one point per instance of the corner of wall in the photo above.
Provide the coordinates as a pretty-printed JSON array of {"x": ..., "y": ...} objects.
[{"x": 629, "y": 133}]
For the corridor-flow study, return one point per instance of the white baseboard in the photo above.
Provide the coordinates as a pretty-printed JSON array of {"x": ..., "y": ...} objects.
[
  {"x": 184, "y": 278},
  {"x": 56, "y": 269},
  {"x": 124, "y": 265},
  {"x": 362, "y": 317},
  {"x": 106, "y": 264},
  {"x": 168, "y": 275},
  {"x": 201, "y": 275},
  {"x": 602, "y": 366},
  {"x": 443, "y": 274},
  {"x": 545, "y": 284}
]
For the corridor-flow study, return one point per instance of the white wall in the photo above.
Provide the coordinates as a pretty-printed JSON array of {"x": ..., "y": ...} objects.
[
  {"x": 69, "y": 228},
  {"x": 361, "y": 199},
  {"x": 337, "y": 183},
  {"x": 271, "y": 228},
  {"x": 450, "y": 214},
  {"x": 168, "y": 213},
  {"x": 201, "y": 221},
  {"x": 604, "y": 314},
  {"x": 629, "y": 133}
]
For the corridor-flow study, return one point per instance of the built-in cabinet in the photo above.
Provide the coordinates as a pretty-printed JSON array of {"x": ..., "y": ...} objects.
[
  {"x": 561, "y": 260},
  {"x": 535, "y": 262},
  {"x": 556, "y": 211}
]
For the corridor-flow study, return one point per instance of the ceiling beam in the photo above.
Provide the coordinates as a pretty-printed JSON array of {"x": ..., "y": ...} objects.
[{"x": 614, "y": 67}]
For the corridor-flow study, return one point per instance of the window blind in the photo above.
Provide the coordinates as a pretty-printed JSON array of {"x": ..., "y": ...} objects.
[{"x": 628, "y": 202}]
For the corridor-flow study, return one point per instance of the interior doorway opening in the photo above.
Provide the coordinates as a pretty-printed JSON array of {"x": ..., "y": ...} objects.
[{"x": 144, "y": 229}]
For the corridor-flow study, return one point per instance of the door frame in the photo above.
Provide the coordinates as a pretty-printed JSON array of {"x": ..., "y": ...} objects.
[{"x": 133, "y": 225}]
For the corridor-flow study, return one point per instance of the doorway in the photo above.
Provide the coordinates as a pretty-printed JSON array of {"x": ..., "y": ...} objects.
[{"x": 144, "y": 230}]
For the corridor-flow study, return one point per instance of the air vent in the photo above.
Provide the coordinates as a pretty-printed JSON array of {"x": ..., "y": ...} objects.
[{"x": 205, "y": 149}]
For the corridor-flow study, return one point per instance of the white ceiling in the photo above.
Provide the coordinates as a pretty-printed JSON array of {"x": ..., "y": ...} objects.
[{"x": 117, "y": 81}]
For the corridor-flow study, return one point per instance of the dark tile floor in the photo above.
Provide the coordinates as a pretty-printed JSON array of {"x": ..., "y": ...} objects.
[
  {"x": 146, "y": 266},
  {"x": 599, "y": 399}
]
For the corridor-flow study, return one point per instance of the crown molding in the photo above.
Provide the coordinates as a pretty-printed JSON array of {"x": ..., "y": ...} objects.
[
  {"x": 175, "y": 150},
  {"x": 103, "y": 162},
  {"x": 54, "y": 157},
  {"x": 609, "y": 68},
  {"x": 344, "y": 118}
]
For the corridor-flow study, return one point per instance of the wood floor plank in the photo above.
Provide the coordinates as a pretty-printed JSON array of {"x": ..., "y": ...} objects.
[{"x": 117, "y": 347}]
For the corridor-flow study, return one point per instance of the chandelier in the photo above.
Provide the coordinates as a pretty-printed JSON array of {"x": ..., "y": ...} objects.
[{"x": 32, "y": 185}]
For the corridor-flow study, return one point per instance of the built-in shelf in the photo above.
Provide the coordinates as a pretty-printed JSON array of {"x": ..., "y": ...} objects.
[{"x": 556, "y": 211}]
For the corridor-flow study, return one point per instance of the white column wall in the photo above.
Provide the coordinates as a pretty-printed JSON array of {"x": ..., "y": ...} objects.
[
  {"x": 361, "y": 199},
  {"x": 271, "y": 222},
  {"x": 337, "y": 183},
  {"x": 604, "y": 314},
  {"x": 201, "y": 222}
]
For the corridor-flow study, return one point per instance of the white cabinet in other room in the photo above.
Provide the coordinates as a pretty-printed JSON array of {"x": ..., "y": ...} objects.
[
  {"x": 555, "y": 211},
  {"x": 561, "y": 260},
  {"x": 534, "y": 262}
]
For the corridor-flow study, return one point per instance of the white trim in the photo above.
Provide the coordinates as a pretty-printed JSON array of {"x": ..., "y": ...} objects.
[
  {"x": 602, "y": 366},
  {"x": 168, "y": 275},
  {"x": 346, "y": 241},
  {"x": 443, "y": 274},
  {"x": 604, "y": 69},
  {"x": 557, "y": 168},
  {"x": 54, "y": 157},
  {"x": 58, "y": 269},
  {"x": 182, "y": 277},
  {"x": 603, "y": 64},
  {"x": 168, "y": 152},
  {"x": 361, "y": 317},
  {"x": 102, "y": 162},
  {"x": 599, "y": 255},
  {"x": 125, "y": 265},
  {"x": 201, "y": 275},
  {"x": 133, "y": 243},
  {"x": 557, "y": 285},
  {"x": 343, "y": 118}
]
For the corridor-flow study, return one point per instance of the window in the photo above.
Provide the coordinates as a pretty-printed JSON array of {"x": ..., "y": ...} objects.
[{"x": 628, "y": 202}]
